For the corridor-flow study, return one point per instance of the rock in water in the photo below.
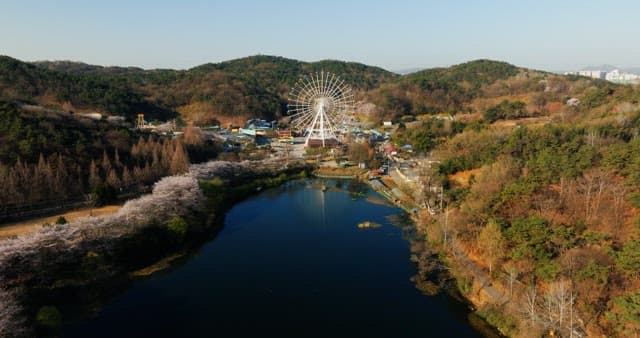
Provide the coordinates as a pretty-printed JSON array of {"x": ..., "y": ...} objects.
[{"x": 368, "y": 225}]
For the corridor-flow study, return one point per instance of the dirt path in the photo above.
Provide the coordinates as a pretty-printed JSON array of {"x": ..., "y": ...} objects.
[
  {"x": 482, "y": 277},
  {"x": 23, "y": 227}
]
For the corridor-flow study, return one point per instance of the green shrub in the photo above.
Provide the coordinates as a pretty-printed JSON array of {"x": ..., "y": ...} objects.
[
  {"x": 635, "y": 199},
  {"x": 595, "y": 237},
  {"x": 61, "y": 220},
  {"x": 548, "y": 270},
  {"x": 530, "y": 238},
  {"x": 628, "y": 259},
  {"x": 625, "y": 314},
  {"x": 506, "y": 324},
  {"x": 464, "y": 285},
  {"x": 595, "y": 272},
  {"x": 178, "y": 227},
  {"x": 506, "y": 110},
  {"x": 216, "y": 182},
  {"x": 49, "y": 317}
]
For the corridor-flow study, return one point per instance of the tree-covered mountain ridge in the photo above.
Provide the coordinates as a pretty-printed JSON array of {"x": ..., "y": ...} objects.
[
  {"x": 255, "y": 86},
  {"x": 258, "y": 86}
]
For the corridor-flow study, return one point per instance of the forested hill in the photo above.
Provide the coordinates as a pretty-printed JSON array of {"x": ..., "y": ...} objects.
[
  {"x": 235, "y": 90},
  {"x": 70, "y": 91},
  {"x": 273, "y": 72},
  {"x": 442, "y": 89},
  {"x": 541, "y": 190},
  {"x": 258, "y": 86}
]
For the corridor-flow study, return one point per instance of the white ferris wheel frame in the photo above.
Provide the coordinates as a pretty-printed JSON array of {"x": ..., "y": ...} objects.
[{"x": 319, "y": 105}]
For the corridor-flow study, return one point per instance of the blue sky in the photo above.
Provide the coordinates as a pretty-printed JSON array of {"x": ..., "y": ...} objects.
[{"x": 550, "y": 35}]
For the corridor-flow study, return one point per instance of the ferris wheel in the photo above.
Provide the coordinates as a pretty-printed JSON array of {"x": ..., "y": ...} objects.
[{"x": 319, "y": 106}]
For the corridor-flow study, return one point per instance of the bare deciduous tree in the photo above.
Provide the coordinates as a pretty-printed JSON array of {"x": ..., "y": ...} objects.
[
  {"x": 511, "y": 274},
  {"x": 530, "y": 305},
  {"x": 491, "y": 243}
]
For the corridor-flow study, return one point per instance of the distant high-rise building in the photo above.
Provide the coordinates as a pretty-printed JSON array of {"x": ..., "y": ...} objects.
[
  {"x": 596, "y": 74},
  {"x": 622, "y": 77},
  {"x": 614, "y": 76}
]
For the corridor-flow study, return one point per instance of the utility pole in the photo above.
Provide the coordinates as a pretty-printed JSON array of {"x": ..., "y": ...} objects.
[{"x": 446, "y": 226}]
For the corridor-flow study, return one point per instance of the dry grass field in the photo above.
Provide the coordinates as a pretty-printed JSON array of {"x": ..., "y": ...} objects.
[{"x": 23, "y": 227}]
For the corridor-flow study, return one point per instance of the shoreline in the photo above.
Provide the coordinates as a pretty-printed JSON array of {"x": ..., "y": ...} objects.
[
  {"x": 417, "y": 217},
  {"x": 92, "y": 252},
  {"x": 219, "y": 199}
]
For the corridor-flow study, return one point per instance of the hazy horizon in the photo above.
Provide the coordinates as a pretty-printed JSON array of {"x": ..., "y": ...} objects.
[
  {"x": 410, "y": 35},
  {"x": 398, "y": 71}
]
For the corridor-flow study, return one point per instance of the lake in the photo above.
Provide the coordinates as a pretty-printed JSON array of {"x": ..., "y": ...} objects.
[{"x": 289, "y": 262}]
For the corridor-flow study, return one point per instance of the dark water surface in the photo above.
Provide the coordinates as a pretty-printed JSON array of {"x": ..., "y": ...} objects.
[{"x": 289, "y": 262}]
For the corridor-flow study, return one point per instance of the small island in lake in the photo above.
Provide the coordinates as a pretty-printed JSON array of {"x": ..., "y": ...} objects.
[{"x": 368, "y": 225}]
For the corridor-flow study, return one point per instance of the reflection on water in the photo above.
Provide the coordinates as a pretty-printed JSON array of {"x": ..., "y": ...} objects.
[{"x": 290, "y": 262}]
